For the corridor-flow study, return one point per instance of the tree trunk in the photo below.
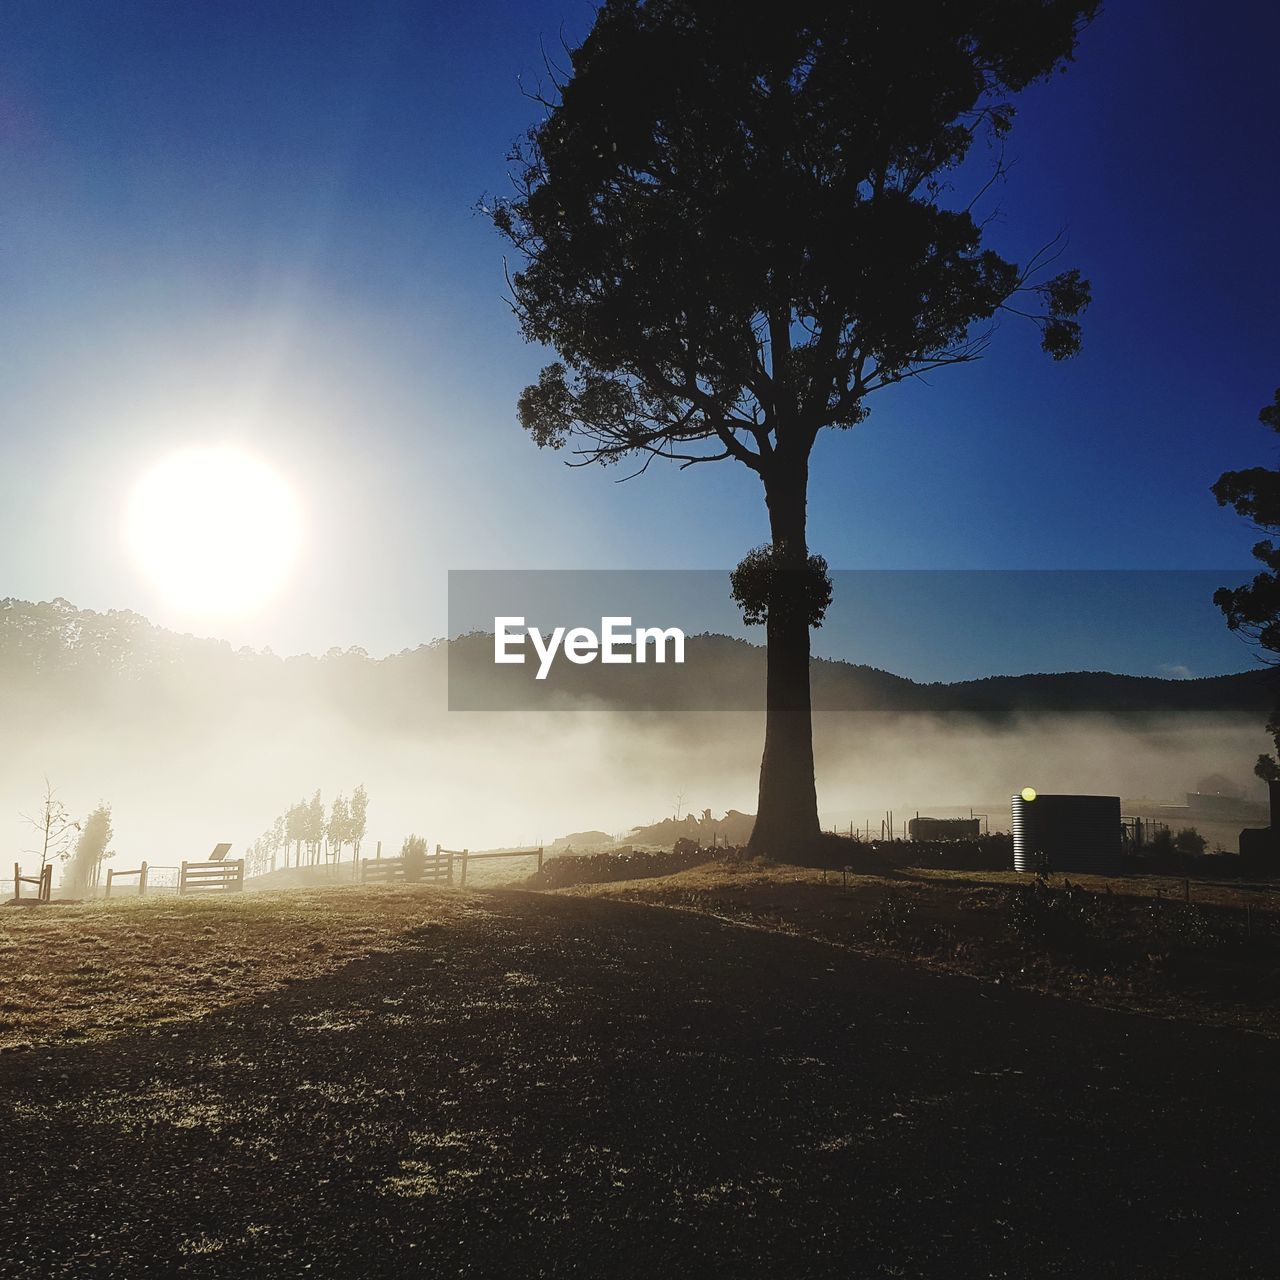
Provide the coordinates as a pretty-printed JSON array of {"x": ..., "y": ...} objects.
[{"x": 787, "y": 811}]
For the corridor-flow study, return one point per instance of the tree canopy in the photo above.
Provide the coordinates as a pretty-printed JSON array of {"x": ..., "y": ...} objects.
[
  {"x": 736, "y": 223},
  {"x": 1254, "y": 609}
]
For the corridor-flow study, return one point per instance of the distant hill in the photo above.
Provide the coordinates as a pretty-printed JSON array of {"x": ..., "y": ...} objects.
[
  {"x": 723, "y": 673},
  {"x": 55, "y": 655}
]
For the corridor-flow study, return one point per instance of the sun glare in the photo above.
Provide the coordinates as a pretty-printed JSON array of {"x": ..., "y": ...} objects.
[{"x": 215, "y": 530}]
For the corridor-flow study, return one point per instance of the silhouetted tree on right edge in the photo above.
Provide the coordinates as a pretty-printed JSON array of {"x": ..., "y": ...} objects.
[
  {"x": 735, "y": 226},
  {"x": 1254, "y": 609}
]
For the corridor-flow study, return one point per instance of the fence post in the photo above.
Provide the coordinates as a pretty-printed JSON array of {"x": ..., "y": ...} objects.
[
  {"x": 540, "y": 854},
  {"x": 142, "y": 881},
  {"x": 46, "y": 883},
  {"x": 107, "y": 891},
  {"x": 17, "y": 882},
  {"x": 464, "y": 869}
]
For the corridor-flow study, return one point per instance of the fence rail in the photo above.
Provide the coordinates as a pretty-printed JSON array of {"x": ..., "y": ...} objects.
[
  {"x": 43, "y": 883},
  {"x": 385, "y": 870},
  {"x": 229, "y": 876},
  {"x": 435, "y": 867},
  {"x": 468, "y": 856},
  {"x": 211, "y": 877},
  {"x": 113, "y": 874}
]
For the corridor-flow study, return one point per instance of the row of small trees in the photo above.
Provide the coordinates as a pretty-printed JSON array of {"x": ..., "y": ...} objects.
[{"x": 305, "y": 835}]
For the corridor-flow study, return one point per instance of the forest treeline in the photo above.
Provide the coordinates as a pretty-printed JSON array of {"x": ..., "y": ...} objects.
[{"x": 63, "y": 661}]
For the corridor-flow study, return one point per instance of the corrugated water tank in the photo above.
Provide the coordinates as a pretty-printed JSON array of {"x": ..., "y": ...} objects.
[{"x": 1067, "y": 833}]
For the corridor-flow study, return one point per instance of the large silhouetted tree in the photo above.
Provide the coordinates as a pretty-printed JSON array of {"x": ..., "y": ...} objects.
[
  {"x": 1254, "y": 609},
  {"x": 735, "y": 225}
]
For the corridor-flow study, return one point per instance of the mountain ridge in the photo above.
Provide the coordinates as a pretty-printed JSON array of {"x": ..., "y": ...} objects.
[{"x": 53, "y": 646}]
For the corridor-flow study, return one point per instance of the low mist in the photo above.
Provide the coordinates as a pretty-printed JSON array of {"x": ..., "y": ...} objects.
[
  {"x": 190, "y": 743},
  {"x": 492, "y": 779}
]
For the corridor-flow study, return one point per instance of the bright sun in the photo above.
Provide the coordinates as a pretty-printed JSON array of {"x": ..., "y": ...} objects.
[{"x": 216, "y": 530}]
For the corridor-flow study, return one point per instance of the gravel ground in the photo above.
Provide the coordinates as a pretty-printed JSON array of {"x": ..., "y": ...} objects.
[{"x": 566, "y": 1086}]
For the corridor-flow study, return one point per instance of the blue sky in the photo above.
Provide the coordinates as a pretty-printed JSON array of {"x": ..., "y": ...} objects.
[{"x": 254, "y": 222}]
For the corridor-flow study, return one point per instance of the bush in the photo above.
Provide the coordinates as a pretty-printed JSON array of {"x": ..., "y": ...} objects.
[
  {"x": 1182, "y": 924},
  {"x": 626, "y": 864},
  {"x": 414, "y": 853},
  {"x": 1189, "y": 841},
  {"x": 1061, "y": 919},
  {"x": 896, "y": 922},
  {"x": 879, "y": 857}
]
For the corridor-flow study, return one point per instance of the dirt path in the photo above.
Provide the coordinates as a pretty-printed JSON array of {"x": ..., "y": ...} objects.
[{"x": 558, "y": 1086}]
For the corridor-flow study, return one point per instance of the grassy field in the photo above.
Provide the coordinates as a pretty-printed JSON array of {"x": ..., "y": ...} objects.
[
  {"x": 93, "y": 970},
  {"x": 1132, "y": 943},
  {"x": 522, "y": 1084},
  {"x": 90, "y": 970}
]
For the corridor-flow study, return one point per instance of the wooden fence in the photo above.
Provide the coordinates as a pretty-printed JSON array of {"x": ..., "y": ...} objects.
[
  {"x": 381, "y": 870},
  {"x": 435, "y": 867},
  {"x": 141, "y": 873},
  {"x": 211, "y": 877},
  {"x": 43, "y": 883},
  {"x": 466, "y": 857}
]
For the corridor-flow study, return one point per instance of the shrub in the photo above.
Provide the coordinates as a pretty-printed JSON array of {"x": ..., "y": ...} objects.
[
  {"x": 894, "y": 920},
  {"x": 897, "y": 922},
  {"x": 986, "y": 853},
  {"x": 1189, "y": 841},
  {"x": 1182, "y": 924},
  {"x": 414, "y": 853},
  {"x": 628, "y": 864},
  {"x": 1061, "y": 919}
]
